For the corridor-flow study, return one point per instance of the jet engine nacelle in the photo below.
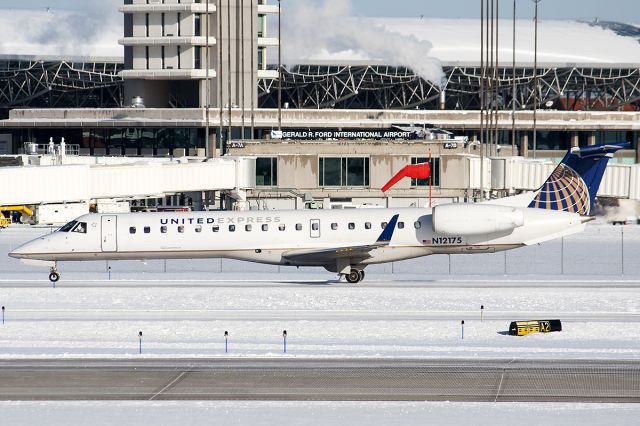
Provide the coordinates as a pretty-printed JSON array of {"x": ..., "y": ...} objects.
[{"x": 473, "y": 219}]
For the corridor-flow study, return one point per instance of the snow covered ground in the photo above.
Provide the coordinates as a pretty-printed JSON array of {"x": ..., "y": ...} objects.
[
  {"x": 318, "y": 413},
  {"x": 409, "y": 309},
  {"x": 401, "y": 310}
]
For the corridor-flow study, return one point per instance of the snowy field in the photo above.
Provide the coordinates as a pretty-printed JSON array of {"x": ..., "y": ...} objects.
[
  {"x": 409, "y": 309},
  {"x": 318, "y": 413},
  {"x": 404, "y": 309}
]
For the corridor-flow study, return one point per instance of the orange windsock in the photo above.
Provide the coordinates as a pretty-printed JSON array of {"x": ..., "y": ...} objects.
[{"x": 415, "y": 171}]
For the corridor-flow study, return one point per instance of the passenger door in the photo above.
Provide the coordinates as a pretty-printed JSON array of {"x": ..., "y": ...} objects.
[
  {"x": 109, "y": 234},
  {"x": 314, "y": 228}
]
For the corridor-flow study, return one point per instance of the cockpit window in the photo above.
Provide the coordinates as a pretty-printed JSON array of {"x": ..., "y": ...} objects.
[
  {"x": 68, "y": 226},
  {"x": 80, "y": 228}
]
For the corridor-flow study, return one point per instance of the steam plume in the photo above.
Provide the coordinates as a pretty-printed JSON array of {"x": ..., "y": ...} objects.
[{"x": 328, "y": 31}]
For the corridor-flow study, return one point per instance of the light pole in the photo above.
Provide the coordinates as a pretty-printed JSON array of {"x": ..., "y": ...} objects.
[
  {"x": 279, "y": 67},
  {"x": 482, "y": 97},
  {"x": 207, "y": 149},
  {"x": 229, "y": 136},
  {"x": 513, "y": 76},
  {"x": 535, "y": 78},
  {"x": 219, "y": 76}
]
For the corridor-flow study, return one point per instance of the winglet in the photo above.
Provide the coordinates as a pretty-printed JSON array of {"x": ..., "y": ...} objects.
[{"x": 387, "y": 232}]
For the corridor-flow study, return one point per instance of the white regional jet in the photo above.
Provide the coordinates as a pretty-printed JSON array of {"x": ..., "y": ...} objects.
[{"x": 341, "y": 241}]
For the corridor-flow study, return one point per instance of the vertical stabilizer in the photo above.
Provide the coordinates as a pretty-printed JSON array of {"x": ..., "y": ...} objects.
[{"x": 573, "y": 185}]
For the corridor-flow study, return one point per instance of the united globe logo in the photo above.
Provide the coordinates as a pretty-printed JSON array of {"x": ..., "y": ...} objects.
[{"x": 565, "y": 190}]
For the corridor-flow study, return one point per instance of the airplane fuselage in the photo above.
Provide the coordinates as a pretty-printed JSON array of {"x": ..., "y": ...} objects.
[{"x": 267, "y": 236}]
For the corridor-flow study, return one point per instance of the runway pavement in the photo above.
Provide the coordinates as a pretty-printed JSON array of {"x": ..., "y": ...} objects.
[{"x": 321, "y": 379}]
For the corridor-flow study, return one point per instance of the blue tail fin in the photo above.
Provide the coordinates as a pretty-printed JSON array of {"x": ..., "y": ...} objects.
[{"x": 573, "y": 185}]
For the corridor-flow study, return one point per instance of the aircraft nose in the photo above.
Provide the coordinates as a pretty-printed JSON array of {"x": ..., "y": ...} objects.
[{"x": 25, "y": 251}]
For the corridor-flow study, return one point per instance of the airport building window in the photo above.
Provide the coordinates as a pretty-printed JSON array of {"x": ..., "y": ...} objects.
[
  {"x": 247, "y": 227},
  {"x": 261, "y": 64},
  {"x": 334, "y": 226},
  {"x": 298, "y": 227},
  {"x": 198, "y": 228},
  {"x": 265, "y": 227},
  {"x": 197, "y": 61},
  {"x": 163, "y": 229},
  {"x": 181, "y": 229},
  {"x": 267, "y": 171},
  {"x": 147, "y": 229},
  {"x": 132, "y": 230},
  {"x": 261, "y": 25},
  {"x": 343, "y": 171},
  {"x": 196, "y": 26},
  {"x": 352, "y": 225},
  {"x": 281, "y": 227},
  {"x": 367, "y": 225},
  {"x": 435, "y": 171},
  {"x": 232, "y": 228},
  {"x": 215, "y": 228},
  {"x": 417, "y": 224}
]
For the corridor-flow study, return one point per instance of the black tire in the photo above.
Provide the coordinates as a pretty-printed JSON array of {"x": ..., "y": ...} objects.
[
  {"x": 353, "y": 277},
  {"x": 54, "y": 277},
  {"x": 361, "y": 274}
]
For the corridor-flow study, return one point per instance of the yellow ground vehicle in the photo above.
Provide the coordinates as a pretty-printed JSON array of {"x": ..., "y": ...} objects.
[{"x": 6, "y": 221}]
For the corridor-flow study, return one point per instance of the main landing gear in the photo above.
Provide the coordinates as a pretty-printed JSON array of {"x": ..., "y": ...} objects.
[
  {"x": 355, "y": 276},
  {"x": 54, "y": 275}
]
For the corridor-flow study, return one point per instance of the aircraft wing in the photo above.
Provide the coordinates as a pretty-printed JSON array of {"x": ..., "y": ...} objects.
[{"x": 328, "y": 255}]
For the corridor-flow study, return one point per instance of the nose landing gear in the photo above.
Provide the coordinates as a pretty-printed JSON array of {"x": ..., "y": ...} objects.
[{"x": 54, "y": 275}]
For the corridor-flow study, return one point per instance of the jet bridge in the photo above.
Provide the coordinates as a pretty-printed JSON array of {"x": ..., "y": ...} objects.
[{"x": 89, "y": 183}]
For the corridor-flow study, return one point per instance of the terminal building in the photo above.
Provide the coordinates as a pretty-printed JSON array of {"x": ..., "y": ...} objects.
[{"x": 330, "y": 130}]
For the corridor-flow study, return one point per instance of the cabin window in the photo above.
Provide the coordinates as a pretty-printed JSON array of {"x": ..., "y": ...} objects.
[
  {"x": 247, "y": 227},
  {"x": 383, "y": 225},
  {"x": 163, "y": 229},
  {"x": 68, "y": 226},
  {"x": 334, "y": 226},
  {"x": 265, "y": 227},
  {"x": 80, "y": 228},
  {"x": 267, "y": 171},
  {"x": 343, "y": 171},
  {"x": 198, "y": 228},
  {"x": 232, "y": 228},
  {"x": 367, "y": 225},
  {"x": 181, "y": 229},
  {"x": 400, "y": 225},
  {"x": 282, "y": 227},
  {"x": 132, "y": 229},
  {"x": 215, "y": 228},
  {"x": 352, "y": 225},
  {"x": 315, "y": 226},
  {"x": 298, "y": 227},
  {"x": 417, "y": 224},
  {"x": 435, "y": 171},
  {"x": 147, "y": 229}
]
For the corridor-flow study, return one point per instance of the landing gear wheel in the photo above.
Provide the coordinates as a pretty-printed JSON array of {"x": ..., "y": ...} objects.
[
  {"x": 361, "y": 272},
  {"x": 354, "y": 276},
  {"x": 54, "y": 276}
]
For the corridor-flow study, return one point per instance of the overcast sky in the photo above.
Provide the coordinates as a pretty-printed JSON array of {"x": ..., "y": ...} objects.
[{"x": 620, "y": 10}]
